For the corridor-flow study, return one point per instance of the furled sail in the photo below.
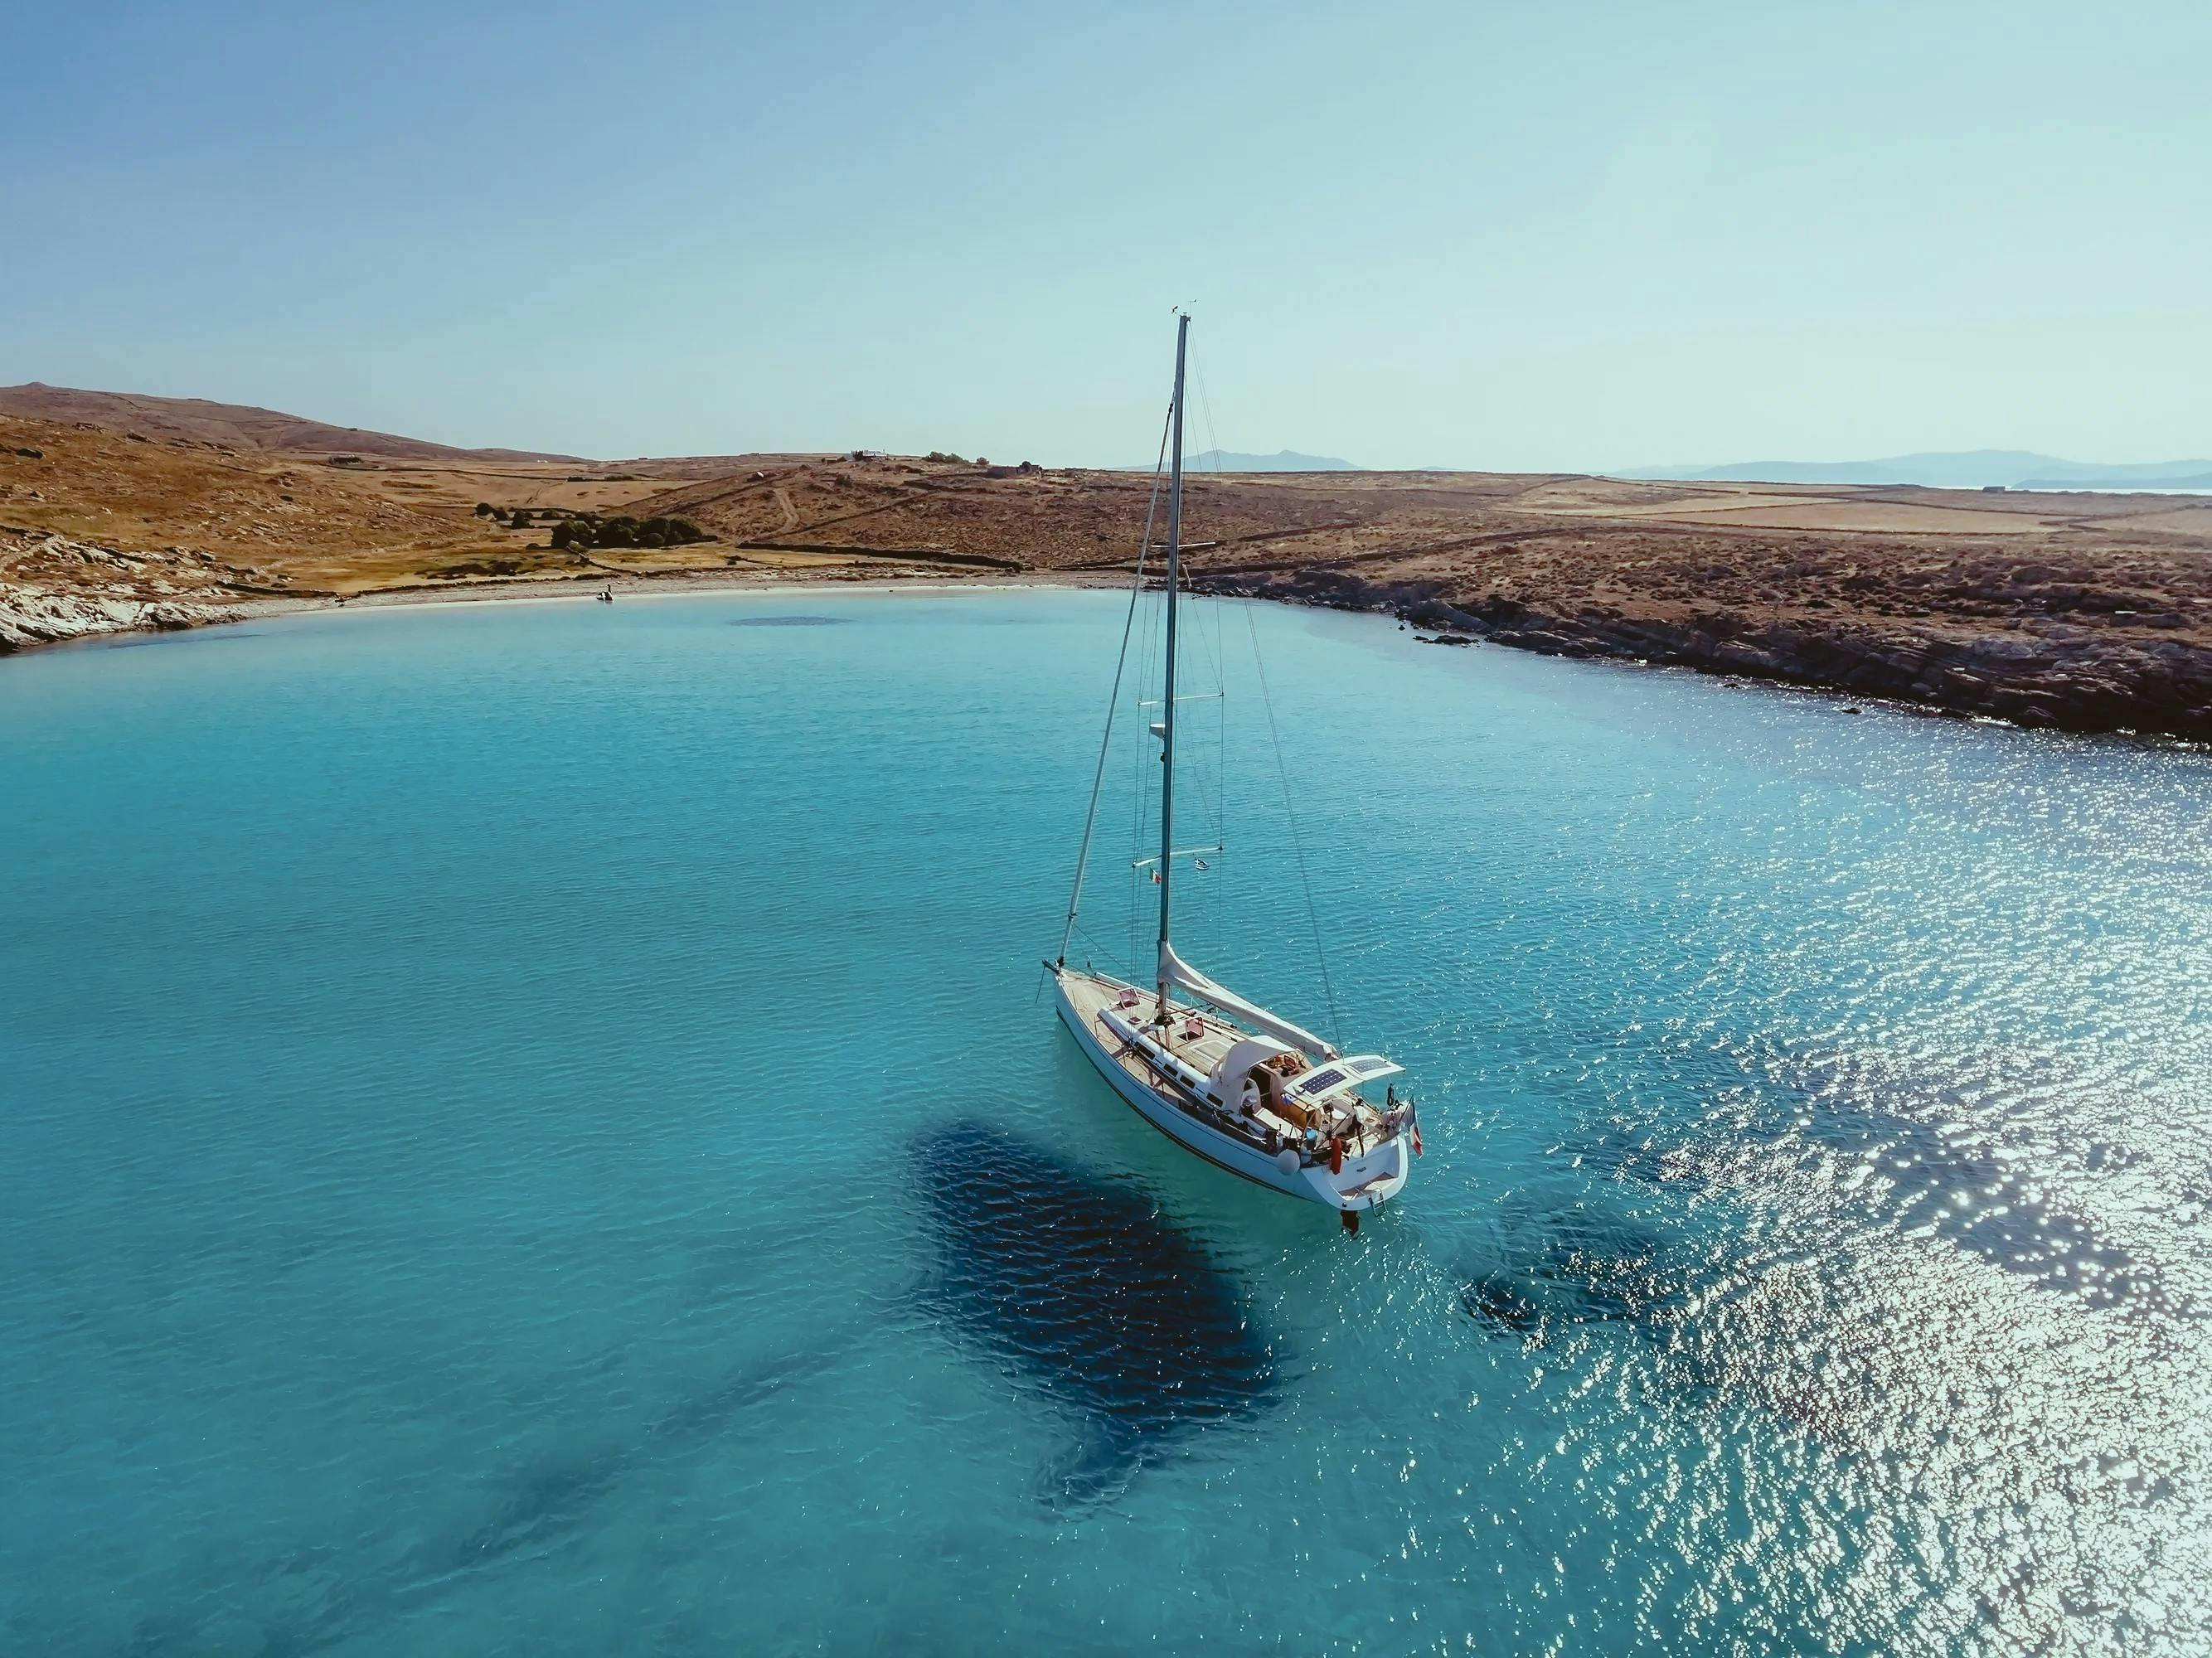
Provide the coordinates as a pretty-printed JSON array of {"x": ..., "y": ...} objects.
[{"x": 1175, "y": 970}]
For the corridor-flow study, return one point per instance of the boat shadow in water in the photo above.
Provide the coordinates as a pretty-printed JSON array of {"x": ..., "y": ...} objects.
[{"x": 1080, "y": 1290}]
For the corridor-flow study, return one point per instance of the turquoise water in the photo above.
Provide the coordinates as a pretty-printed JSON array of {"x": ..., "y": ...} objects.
[{"x": 531, "y": 1128}]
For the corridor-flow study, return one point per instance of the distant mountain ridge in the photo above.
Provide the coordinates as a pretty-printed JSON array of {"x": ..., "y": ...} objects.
[
  {"x": 2191, "y": 481},
  {"x": 1283, "y": 460},
  {"x": 1972, "y": 469},
  {"x": 197, "y": 419}
]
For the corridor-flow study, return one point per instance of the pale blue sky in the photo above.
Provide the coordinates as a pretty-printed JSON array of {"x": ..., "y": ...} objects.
[{"x": 1506, "y": 236}]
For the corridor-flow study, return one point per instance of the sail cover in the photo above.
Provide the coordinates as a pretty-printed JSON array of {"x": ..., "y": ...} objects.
[{"x": 1175, "y": 970}]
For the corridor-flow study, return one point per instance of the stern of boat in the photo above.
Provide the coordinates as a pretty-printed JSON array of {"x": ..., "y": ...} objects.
[{"x": 1364, "y": 1182}]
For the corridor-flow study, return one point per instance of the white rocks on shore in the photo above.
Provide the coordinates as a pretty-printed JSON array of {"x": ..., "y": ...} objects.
[
  {"x": 52, "y": 588},
  {"x": 28, "y": 617}
]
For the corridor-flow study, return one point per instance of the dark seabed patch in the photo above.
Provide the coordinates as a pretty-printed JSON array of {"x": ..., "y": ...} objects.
[
  {"x": 1983, "y": 1203},
  {"x": 527, "y": 1510},
  {"x": 1962, "y": 1185},
  {"x": 1705, "y": 1322},
  {"x": 1791, "y": 1305},
  {"x": 1920, "y": 1155},
  {"x": 1591, "y": 1273},
  {"x": 174, "y": 637},
  {"x": 1083, "y": 1292},
  {"x": 788, "y": 621}
]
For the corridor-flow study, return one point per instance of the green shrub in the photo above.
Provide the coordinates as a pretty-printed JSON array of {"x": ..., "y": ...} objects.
[{"x": 584, "y": 530}]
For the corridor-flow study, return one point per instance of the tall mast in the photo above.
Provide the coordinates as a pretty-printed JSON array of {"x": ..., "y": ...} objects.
[{"x": 1168, "y": 724}]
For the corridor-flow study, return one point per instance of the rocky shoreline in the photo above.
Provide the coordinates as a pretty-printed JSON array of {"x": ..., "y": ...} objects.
[
  {"x": 34, "y": 618},
  {"x": 53, "y": 589},
  {"x": 2041, "y": 674},
  {"x": 2081, "y": 613},
  {"x": 2056, "y": 675}
]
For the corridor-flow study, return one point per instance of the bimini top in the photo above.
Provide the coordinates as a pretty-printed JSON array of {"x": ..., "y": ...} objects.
[
  {"x": 1326, "y": 1082},
  {"x": 1228, "y": 1079}
]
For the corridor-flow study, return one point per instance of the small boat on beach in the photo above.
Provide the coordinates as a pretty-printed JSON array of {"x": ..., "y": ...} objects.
[{"x": 1225, "y": 1078}]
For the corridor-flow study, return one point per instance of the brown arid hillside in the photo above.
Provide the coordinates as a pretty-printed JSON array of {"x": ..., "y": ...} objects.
[
  {"x": 2090, "y": 611},
  {"x": 227, "y": 424},
  {"x": 2079, "y": 610},
  {"x": 340, "y": 524}
]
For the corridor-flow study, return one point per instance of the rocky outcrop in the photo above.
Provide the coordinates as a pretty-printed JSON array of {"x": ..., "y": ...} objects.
[
  {"x": 52, "y": 589},
  {"x": 2039, "y": 674},
  {"x": 30, "y": 618}
]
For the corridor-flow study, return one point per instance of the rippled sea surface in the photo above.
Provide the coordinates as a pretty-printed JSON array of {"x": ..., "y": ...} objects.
[{"x": 531, "y": 1128}]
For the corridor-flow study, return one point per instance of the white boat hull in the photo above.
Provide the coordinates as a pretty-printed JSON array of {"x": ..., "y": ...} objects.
[{"x": 1364, "y": 1182}]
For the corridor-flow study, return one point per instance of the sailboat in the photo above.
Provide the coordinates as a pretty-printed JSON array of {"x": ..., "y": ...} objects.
[{"x": 1245, "y": 1088}]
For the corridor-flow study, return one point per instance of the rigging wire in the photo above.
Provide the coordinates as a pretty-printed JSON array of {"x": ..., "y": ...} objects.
[
  {"x": 1298, "y": 842},
  {"x": 1203, "y": 910},
  {"x": 1113, "y": 701},
  {"x": 1141, "y": 775},
  {"x": 1217, "y": 890},
  {"x": 1143, "y": 759}
]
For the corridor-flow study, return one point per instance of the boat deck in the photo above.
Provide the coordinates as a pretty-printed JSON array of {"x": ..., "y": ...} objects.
[{"x": 1201, "y": 1039}]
